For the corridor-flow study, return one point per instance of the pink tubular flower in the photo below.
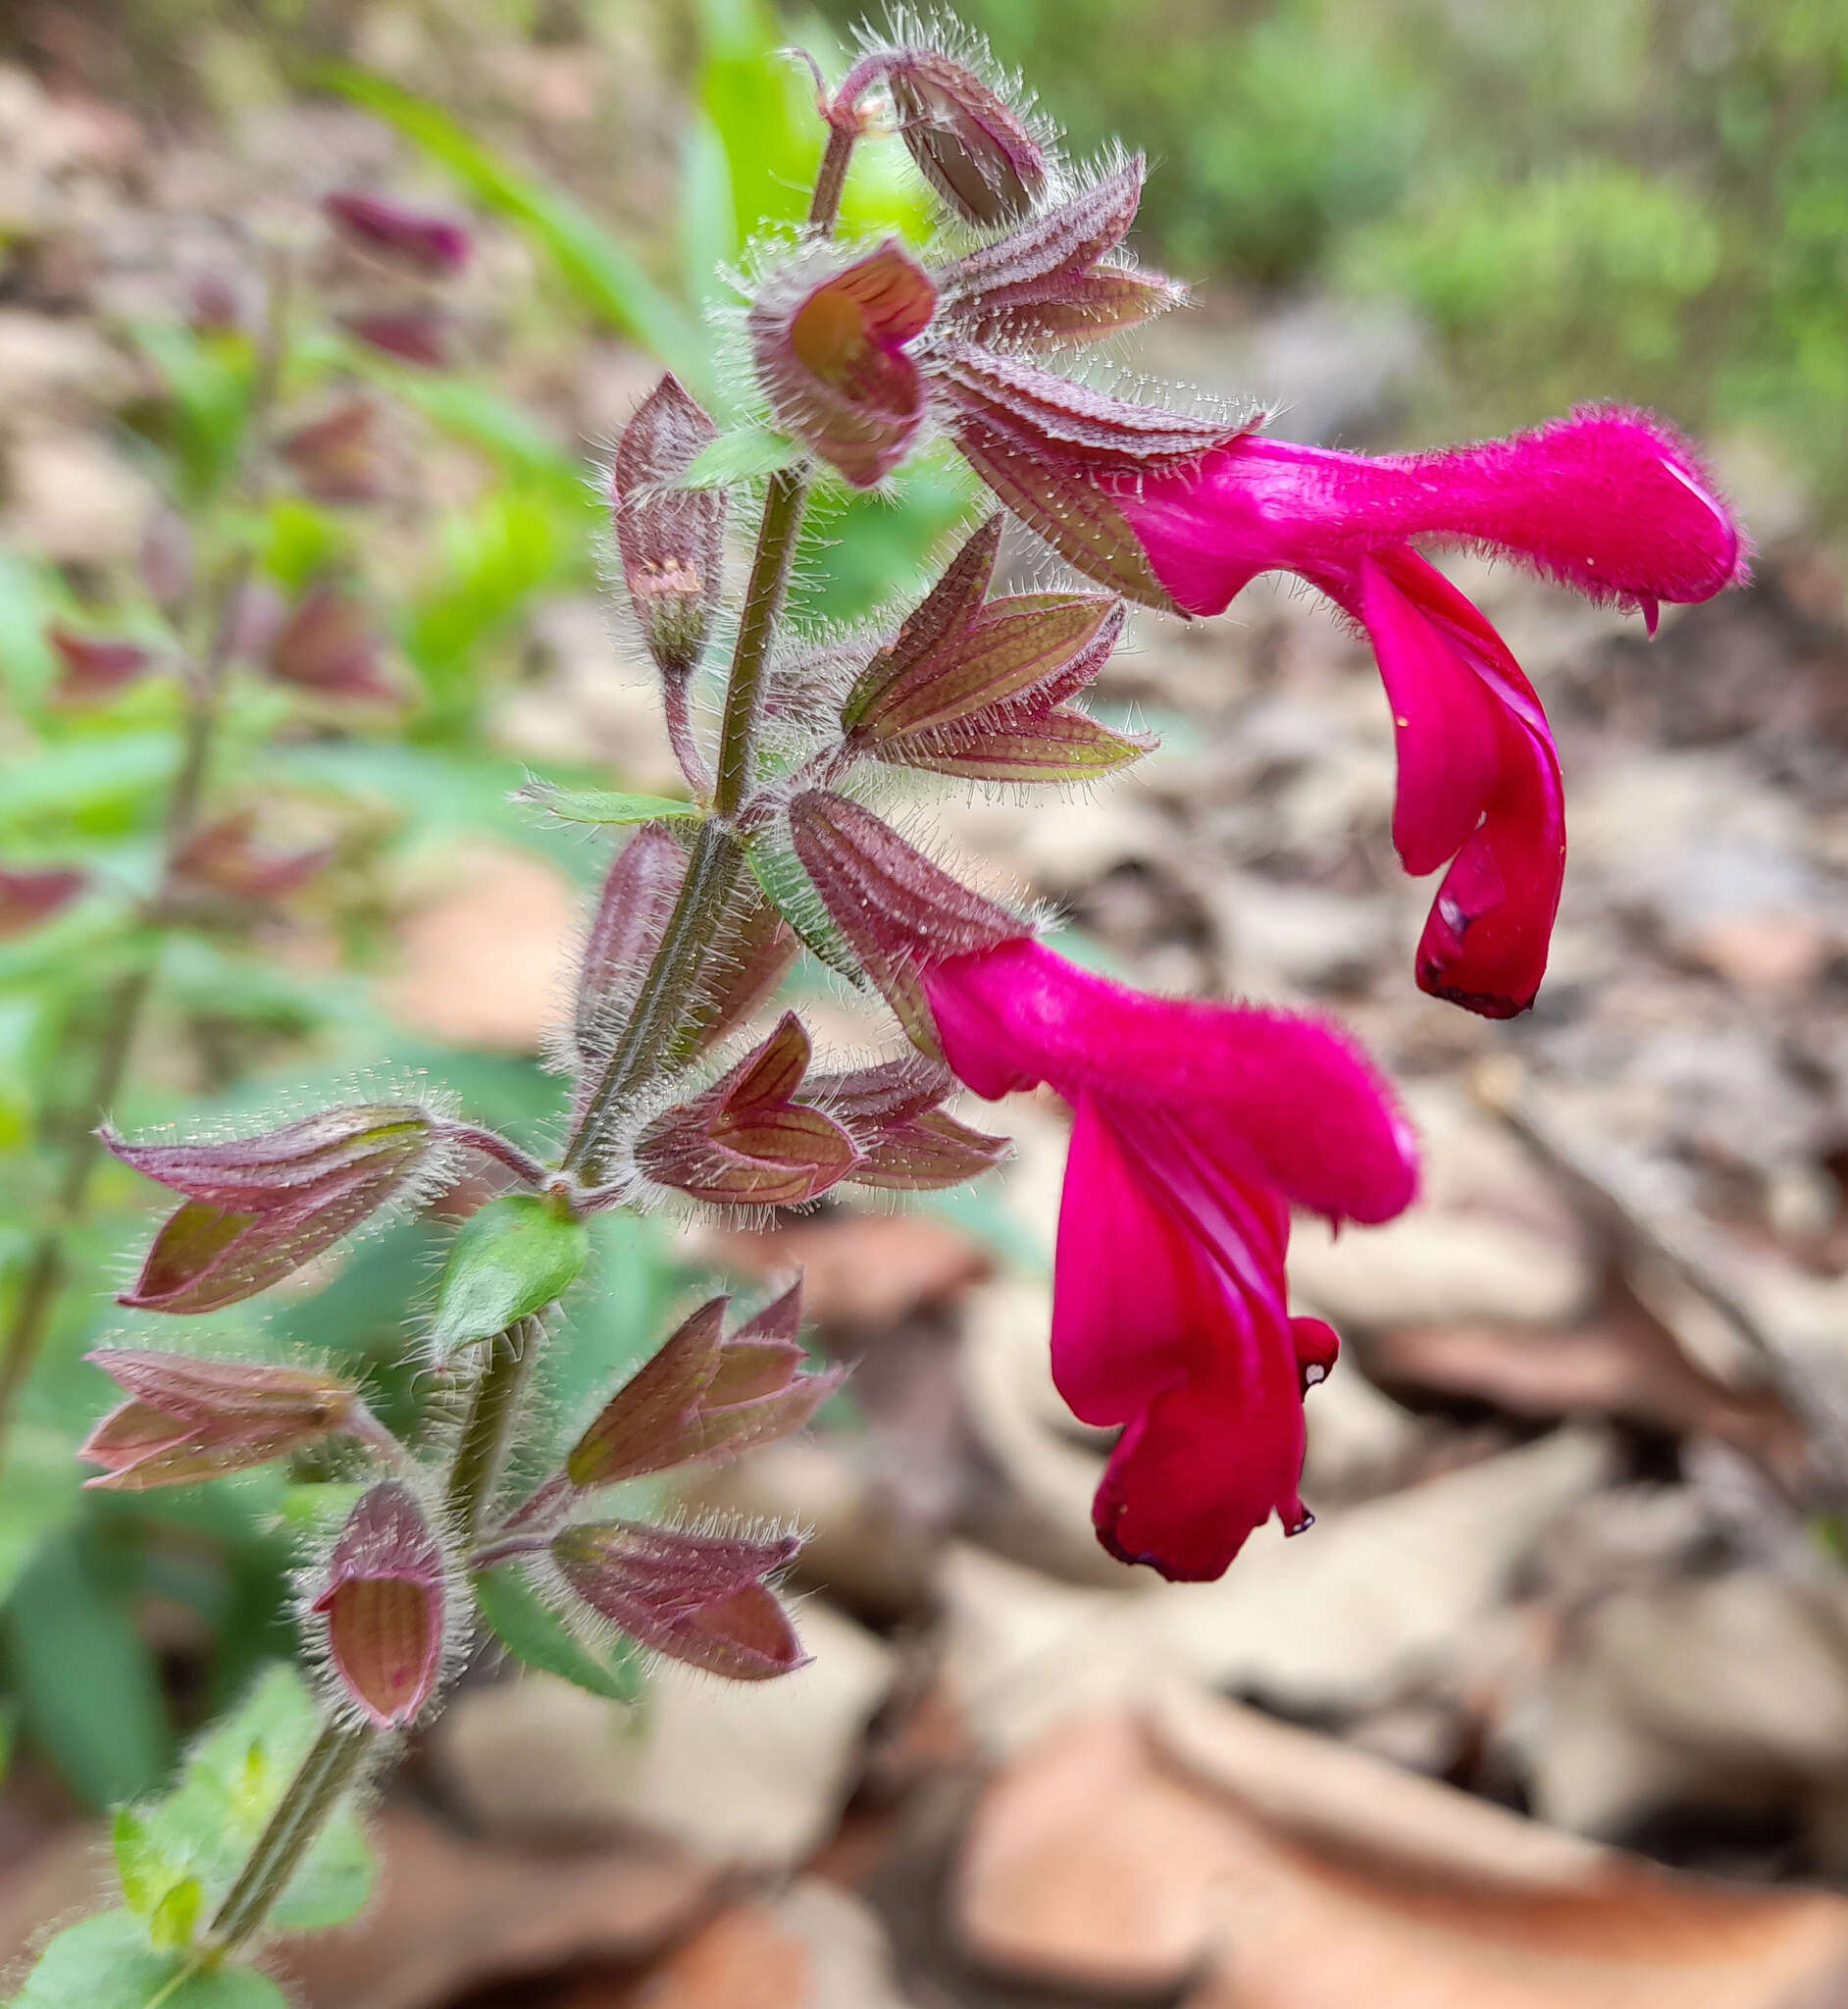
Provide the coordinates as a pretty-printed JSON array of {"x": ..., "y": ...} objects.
[
  {"x": 1611, "y": 502},
  {"x": 1197, "y": 1125}
]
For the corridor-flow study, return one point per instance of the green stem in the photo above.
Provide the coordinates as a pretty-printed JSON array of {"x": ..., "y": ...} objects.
[
  {"x": 777, "y": 534},
  {"x": 332, "y": 1763},
  {"x": 481, "y": 1450}
]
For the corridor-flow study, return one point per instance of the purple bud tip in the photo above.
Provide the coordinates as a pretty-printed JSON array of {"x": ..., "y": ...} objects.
[{"x": 430, "y": 244}]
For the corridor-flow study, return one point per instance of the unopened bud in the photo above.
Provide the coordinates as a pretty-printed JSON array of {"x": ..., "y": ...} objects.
[
  {"x": 829, "y": 340},
  {"x": 640, "y": 890},
  {"x": 897, "y": 908},
  {"x": 412, "y": 334},
  {"x": 434, "y": 245},
  {"x": 93, "y": 666},
  {"x": 703, "y": 1398},
  {"x": 383, "y": 1603},
  {"x": 29, "y": 898},
  {"x": 671, "y": 539},
  {"x": 746, "y": 1141},
  {"x": 224, "y": 858},
  {"x": 258, "y": 1207},
  {"x": 699, "y": 1598},
  {"x": 326, "y": 645},
  {"x": 338, "y": 458},
  {"x": 190, "y": 1418},
  {"x": 969, "y": 142}
]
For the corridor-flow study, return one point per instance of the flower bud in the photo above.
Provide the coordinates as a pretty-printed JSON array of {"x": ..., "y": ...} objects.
[
  {"x": 896, "y": 907},
  {"x": 328, "y": 645},
  {"x": 671, "y": 539},
  {"x": 910, "y": 1144},
  {"x": 412, "y": 334},
  {"x": 967, "y": 143},
  {"x": 190, "y": 1418},
  {"x": 258, "y": 1207},
  {"x": 754, "y": 956},
  {"x": 383, "y": 1603},
  {"x": 223, "y": 859},
  {"x": 429, "y": 245},
  {"x": 93, "y": 666},
  {"x": 1043, "y": 286},
  {"x": 640, "y": 890},
  {"x": 29, "y": 898},
  {"x": 746, "y": 1142},
  {"x": 704, "y": 1398},
  {"x": 698, "y": 1598},
  {"x": 338, "y": 458},
  {"x": 828, "y": 341}
]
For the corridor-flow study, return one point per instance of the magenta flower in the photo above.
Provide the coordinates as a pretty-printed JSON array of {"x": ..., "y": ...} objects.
[
  {"x": 1611, "y": 502},
  {"x": 1198, "y": 1127}
]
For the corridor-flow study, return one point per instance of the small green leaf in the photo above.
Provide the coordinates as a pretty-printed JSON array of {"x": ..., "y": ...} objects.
[
  {"x": 605, "y": 805},
  {"x": 174, "y": 1920},
  {"x": 532, "y": 1631},
  {"x": 107, "y": 1963},
  {"x": 740, "y": 455},
  {"x": 779, "y": 873},
  {"x": 513, "y": 1257}
]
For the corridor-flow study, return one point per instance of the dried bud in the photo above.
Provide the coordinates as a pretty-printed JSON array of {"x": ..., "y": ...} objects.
[
  {"x": 413, "y": 335},
  {"x": 29, "y": 898},
  {"x": 326, "y": 645},
  {"x": 1043, "y": 286},
  {"x": 338, "y": 458},
  {"x": 166, "y": 557},
  {"x": 828, "y": 341},
  {"x": 968, "y": 143},
  {"x": 258, "y": 1207},
  {"x": 894, "y": 906},
  {"x": 746, "y": 1141},
  {"x": 671, "y": 539},
  {"x": 384, "y": 1603},
  {"x": 92, "y": 667},
  {"x": 704, "y": 1398},
  {"x": 977, "y": 688},
  {"x": 190, "y": 1418},
  {"x": 699, "y": 1598},
  {"x": 223, "y": 859},
  {"x": 430, "y": 244},
  {"x": 909, "y": 1142}
]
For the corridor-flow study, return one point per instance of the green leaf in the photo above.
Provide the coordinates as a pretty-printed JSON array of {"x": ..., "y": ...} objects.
[
  {"x": 107, "y": 1963},
  {"x": 534, "y": 1631},
  {"x": 201, "y": 1833},
  {"x": 604, "y": 806},
  {"x": 87, "y": 1683},
  {"x": 174, "y": 1920},
  {"x": 603, "y": 274},
  {"x": 511, "y": 1259},
  {"x": 39, "y": 1490},
  {"x": 779, "y": 873},
  {"x": 90, "y": 780},
  {"x": 740, "y": 455}
]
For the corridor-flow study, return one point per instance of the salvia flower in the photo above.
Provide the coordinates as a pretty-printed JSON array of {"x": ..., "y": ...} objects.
[
  {"x": 434, "y": 245},
  {"x": 258, "y": 1207},
  {"x": 188, "y": 1418},
  {"x": 705, "y": 1398},
  {"x": 1611, "y": 502},
  {"x": 748, "y": 1141},
  {"x": 828, "y": 335},
  {"x": 980, "y": 688},
  {"x": 92, "y": 667},
  {"x": 29, "y": 898},
  {"x": 703, "y": 1599},
  {"x": 1197, "y": 1126},
  {"x": 382, "y": 1600},
  {"x": 671, "y": 540}
]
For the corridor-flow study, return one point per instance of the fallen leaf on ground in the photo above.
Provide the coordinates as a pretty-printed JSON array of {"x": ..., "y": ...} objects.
[{"x": 1280, "y": 1870}]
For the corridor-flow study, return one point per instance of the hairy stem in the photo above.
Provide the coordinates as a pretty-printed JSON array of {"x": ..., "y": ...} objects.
[
  {"x": 480, "y": 1450},
  {"x": 330, "y": 1768}
]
